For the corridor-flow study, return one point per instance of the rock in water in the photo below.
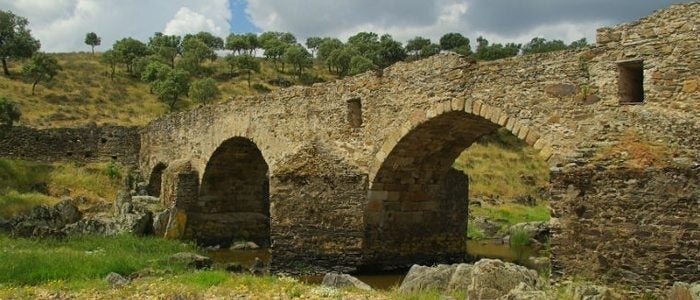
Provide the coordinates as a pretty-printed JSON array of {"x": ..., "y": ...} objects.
[
  {"x": 192, "y": 260},
  {"x": 339, "y": 280}
]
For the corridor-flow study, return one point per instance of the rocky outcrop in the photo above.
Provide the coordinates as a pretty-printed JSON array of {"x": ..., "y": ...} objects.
[
  {"x": 340, "y": 280},
  {"x": 486, "y": 279},
  {"x": 44, "y": 220}
]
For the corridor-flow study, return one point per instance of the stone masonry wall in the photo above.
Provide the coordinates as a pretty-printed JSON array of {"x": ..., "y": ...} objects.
[
  {"x": 639, "y": 227},
  {"x": 565, "y": 104},
  {"x": 89, "y": 143}
]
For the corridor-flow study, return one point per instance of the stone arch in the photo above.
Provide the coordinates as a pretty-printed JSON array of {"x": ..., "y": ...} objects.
[
  {"x": 417, "y": 208},
  {"x": 234, "y": 197},
  {"x": 155, "y": 179}
]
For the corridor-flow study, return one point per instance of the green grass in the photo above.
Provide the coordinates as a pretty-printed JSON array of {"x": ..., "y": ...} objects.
[
  {"x": 30, "y": 262},
  {"x": 501, "y": 165},
  {"x": 17, "y": 177},
  {"x": 203, "y": 279},
  {"x": 13, "y": 202}
]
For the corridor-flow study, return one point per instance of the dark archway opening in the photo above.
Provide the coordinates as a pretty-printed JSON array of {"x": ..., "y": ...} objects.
[
  {"x": 155, "y": 179},
  {"x": 234, "y": 197},
  {"x": 417, "y": 209}
]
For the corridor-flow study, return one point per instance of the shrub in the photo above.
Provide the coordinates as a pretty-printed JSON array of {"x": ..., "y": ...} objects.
[
  {"x": 9, "y": 112},
  {"x": 519, "y": 242},
  {"x": 112, "y": 171}
]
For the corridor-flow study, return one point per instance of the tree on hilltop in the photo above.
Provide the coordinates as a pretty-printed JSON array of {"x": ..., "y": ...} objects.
[
  {"x": 16, "y": 40},
  {"x": 92, "y": 40},
  {"x": 298, "y": 57},
  {"x": 204, "y": 90}
]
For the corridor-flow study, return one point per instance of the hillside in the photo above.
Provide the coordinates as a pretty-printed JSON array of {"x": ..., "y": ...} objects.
[{"x": 83, "y": 92}]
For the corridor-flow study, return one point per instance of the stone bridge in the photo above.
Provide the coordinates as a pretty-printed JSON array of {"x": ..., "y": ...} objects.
[{"x": 358, "y": 172}]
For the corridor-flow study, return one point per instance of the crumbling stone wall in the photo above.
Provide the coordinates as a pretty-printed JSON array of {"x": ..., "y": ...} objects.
[
  {"x": 564, "y": 104},
  {"x": 89, "y": 143}
]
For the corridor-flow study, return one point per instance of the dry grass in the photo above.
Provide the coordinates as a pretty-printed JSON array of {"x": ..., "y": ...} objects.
[
  {"x": 19, "y": 181},
  {"x": 83, "y": 92},
  {"x": 501, "y": 166}
]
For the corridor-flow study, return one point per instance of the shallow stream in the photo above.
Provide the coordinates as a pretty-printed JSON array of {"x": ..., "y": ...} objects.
[{"x": 384, "y": 280}]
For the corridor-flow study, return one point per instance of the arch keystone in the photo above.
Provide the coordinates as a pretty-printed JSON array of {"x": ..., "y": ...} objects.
[
  {"x": 468, "y": 106},
  {"x": 476, "y": 107},
  {"x": 457, "y": 104}
]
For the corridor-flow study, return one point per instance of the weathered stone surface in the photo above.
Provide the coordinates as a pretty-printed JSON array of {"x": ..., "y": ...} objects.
[
  {"x": 88, "y": 143},
  {"x": 115, "y": 280},
  {"x": 67, "y": 211},
  {"x": 486, "y": 279},
  {"x": 524, "y": 292},
  {"x": 560, "y": 90},
  {"x": 492, "y": 278},
  {"x": 337, "y": 280},
  {"x": 424, "y": 278}
]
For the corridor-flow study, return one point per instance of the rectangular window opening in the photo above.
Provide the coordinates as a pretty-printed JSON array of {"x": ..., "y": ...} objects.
[
  {"x": 355, "y": 113},
  {"x": 631, "y": 81}
]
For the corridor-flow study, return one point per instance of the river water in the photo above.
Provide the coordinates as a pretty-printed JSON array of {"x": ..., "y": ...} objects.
[{"x": 386, "y": 280}]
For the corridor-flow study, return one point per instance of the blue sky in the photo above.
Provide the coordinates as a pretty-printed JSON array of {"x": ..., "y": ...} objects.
[{"x": 240, "y": 22}]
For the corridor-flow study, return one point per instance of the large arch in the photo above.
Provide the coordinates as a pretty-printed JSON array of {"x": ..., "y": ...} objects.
[
  {"x": 234, "y": 197},
  {"x": 417, "y": 203}
]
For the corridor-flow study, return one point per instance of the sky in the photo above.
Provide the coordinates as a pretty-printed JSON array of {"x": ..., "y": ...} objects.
[{"x": 61, "y": 25}]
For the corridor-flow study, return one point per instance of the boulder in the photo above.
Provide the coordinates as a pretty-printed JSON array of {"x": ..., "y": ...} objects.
[
  {"x": 492, "y": 278},
  {"x": 486, "y": 279},
  {"x": 138, "y": 223},
  {"x": 192, "y": 260},
  {"x": 91, "y": 226},
  {"x": 67, "y": 212},
  {"x": 684, "y": 291},
  {"x": 244, "y": 246},
  {"x": 115, "y": 280},
  {"x": 340, "y": 280},
  {"x": 593, "y": 292},
  {"x": 524, "y": 292},
  {"x": 160, "y": 222},
  {"x": 423, "y": 277},
  {"x": 461, "y": 278}
]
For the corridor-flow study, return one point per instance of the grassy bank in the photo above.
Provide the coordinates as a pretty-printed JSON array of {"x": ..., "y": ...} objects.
[
  {"x": 83, "y": 258},
  {"x": 24, "y": 184},
  {"x": 501, "y": 168}
]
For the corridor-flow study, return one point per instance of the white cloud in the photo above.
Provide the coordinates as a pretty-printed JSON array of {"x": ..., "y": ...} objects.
[
  {"x": 498, "y": 21},
  {"x": 61, "y": 25},
  {"x": 187, "y": 21}
]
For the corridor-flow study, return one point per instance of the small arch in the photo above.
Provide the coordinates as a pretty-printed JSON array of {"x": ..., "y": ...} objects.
[
  {"x": 155, "y": 179},
  {"x": 234, "y": 197},
  {"x": 354, "y": 112}
]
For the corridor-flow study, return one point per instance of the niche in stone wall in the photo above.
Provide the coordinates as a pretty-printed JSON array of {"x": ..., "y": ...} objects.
[
  {"x": 631, "y": 81},
  {"x": 355, "y": 112}
]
